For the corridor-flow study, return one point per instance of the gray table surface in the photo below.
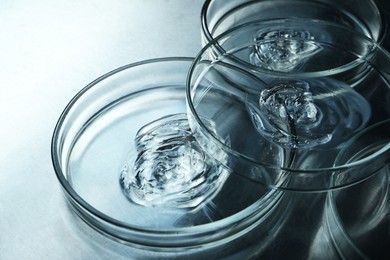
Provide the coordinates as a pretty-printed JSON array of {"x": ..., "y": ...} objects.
[{"x": 49, "y": 51}]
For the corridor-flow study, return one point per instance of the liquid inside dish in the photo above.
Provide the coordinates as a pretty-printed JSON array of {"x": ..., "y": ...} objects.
[
  {"x": 169, "y": 167},
  {"x": 305, "y": 114}
]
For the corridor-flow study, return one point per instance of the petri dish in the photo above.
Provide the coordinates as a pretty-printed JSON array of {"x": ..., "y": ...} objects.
[
  {"x": 218, "y": 16},
  {"x": 357, "y": 217},
  {"x": 288, "y": 105},
  {"x": 130, "y": 168}
]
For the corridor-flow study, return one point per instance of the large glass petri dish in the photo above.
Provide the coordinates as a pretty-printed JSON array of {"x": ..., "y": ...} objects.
[
  {"x": 219, "y": 16},
  {"x": 288, "y": 105},
  {"x": 127, "y": 161}
]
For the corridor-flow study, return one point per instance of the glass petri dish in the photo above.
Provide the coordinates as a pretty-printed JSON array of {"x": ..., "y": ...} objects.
[
  {"x": 302, "y": 98},
  {"x": 219, "y": 16},
  {"x": 129, "y": 166},
  {"x": 357, "y": 218}
]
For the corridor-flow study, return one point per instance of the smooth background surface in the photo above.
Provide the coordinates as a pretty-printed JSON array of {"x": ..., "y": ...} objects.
[{"x": 49, "y": 50}]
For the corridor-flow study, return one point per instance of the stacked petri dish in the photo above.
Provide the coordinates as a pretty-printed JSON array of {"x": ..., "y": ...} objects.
[
  {"x": 314, "y": 128},
  {"x": 273, "y": 142}
]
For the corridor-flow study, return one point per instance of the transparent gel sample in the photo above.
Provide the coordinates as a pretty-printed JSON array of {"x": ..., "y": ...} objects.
[
  {"x": 283, "y": 50},
  {"x": 306, "y": 114},
  {"x": 170, "y": 168}
]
